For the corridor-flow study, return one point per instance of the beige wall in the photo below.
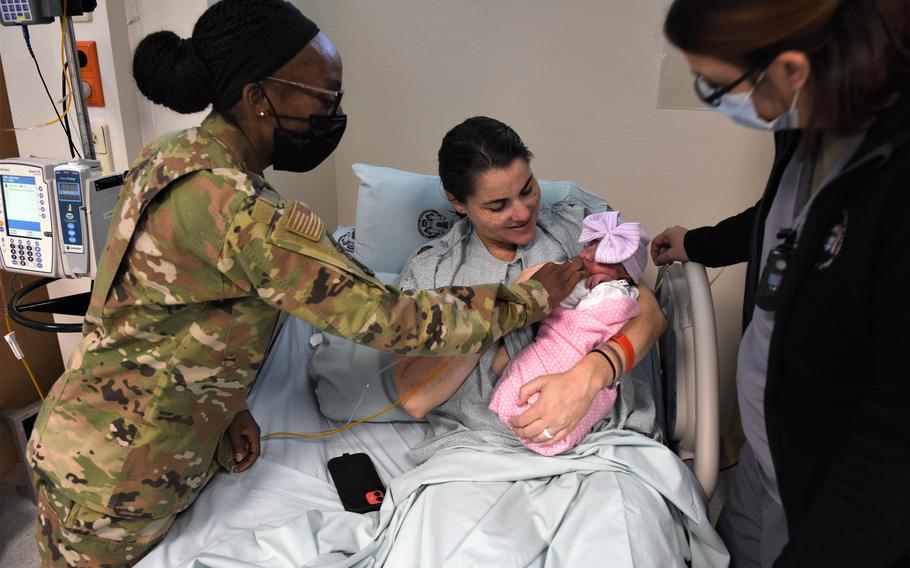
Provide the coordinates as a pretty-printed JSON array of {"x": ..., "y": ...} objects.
[{"x": 578, "y": 79}]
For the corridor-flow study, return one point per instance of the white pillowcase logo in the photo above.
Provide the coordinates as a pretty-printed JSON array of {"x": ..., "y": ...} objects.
[
  {"x": 346, "y": 241},
  {"x": 432, "y": 224}
]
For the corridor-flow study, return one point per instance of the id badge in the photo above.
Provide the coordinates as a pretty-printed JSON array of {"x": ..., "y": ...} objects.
[{"x": 772, "y": 277}]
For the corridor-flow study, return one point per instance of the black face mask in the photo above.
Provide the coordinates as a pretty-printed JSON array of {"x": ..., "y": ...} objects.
[{"x": 298, "y": 152}]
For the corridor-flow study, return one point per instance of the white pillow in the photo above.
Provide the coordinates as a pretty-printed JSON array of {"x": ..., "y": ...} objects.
[
  {"x": 353, "y": 382},
  {"x": 398, "y": 211},
  {"x": 344, "y": 236}
]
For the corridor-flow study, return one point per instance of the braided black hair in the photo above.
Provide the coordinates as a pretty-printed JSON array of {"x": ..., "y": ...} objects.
[{"x": 182, "y": 74}]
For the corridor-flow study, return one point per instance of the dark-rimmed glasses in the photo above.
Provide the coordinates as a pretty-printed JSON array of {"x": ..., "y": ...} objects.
[
  {"x": 710, "y": 94},
  {"x": 323, "y": 93}
]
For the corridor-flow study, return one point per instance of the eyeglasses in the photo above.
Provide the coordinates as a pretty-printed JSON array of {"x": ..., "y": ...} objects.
[
  {"x": 710, "y": 94},
  {"x": 334, "y": 95}
]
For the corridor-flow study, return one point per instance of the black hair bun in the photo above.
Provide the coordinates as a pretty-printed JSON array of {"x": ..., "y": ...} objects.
[{"x": 168, "y": 72}]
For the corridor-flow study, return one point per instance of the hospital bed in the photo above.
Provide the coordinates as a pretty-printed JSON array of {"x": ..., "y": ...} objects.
[{"x": 291, "y": 475}]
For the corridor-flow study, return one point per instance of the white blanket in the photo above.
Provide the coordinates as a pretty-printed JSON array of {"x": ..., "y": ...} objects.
[{"x": 618, "y": 498}]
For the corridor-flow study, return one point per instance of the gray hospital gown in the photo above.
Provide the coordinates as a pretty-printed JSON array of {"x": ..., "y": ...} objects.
[{"x": 460, "y": 258}]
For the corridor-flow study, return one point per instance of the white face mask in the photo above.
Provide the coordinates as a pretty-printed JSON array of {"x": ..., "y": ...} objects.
[{"x": 741, "y": 108}]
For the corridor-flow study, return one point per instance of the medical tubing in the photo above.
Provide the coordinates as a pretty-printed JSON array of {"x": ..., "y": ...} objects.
[
  {"x": 69, "y": 96},
  {"x": 28, "y": 44},
  {"x": 410, "y": 392},
  {"x": 9, "y": 329},
  {"x": 363, "y": 392},
  {"x": 13, "y": 309},
  {"x": 69, "y": 83},
  {"x": 716, "y": 276},
  {"x": 66, "y": 119}
]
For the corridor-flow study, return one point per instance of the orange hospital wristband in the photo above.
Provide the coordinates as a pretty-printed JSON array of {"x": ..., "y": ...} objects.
[{"x": 627, "y": 348}]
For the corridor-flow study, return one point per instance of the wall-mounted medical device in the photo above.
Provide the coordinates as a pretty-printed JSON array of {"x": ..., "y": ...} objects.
[
  {"x": 28, "y": 12},
  {"x": 24, "y": 12},
  {"x": 55, "y": 215}
]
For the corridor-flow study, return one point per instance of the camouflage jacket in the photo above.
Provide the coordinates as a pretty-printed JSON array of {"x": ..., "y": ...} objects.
[{"x": 200, "y": 257}]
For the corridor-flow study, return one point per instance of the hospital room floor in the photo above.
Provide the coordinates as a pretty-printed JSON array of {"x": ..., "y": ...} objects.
[
  {"x": 17, "y": 518},
  {"x": 17, "y": 530}
]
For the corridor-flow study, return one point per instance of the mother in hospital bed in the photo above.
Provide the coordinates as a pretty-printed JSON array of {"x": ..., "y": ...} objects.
[{"x": 486, "y": 173}]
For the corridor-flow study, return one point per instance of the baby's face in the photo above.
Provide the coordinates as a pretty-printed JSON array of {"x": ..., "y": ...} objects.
[{"x": 602, "y": 272}]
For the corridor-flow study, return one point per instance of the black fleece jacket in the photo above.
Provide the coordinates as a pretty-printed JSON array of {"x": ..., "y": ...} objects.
[{"x": 837, "y": 399}]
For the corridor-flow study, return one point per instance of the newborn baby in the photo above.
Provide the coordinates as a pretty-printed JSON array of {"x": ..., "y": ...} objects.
[{"x": 614, "y": 256}]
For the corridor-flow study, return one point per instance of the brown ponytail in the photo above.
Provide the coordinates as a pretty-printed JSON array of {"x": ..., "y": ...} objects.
[{"x": 857, "y": 48}]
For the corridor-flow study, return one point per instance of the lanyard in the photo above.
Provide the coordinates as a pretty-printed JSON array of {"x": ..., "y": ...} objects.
[
  {"x": 804, "y": 195},
  {"x": 779, "y": 257}
]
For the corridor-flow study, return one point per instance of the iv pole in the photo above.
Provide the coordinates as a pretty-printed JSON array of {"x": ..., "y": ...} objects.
[
  {"x": 75, "y": 73},
  {"x": 77, "y": 304}
]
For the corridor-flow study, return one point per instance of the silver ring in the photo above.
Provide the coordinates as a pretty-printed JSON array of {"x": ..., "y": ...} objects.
[{"x": 547, "y": 434}]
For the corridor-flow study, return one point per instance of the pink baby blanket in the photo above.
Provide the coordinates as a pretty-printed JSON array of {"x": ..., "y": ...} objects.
[{"x": 564, "y": 338}]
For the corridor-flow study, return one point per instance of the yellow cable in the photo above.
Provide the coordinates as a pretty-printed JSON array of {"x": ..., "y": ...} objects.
[
  {"x": 9, "y": 328},
  {"x": 433, "y": 374},
  {"x": 69, "y": 83},
  {"x": 69, "y": 100}
]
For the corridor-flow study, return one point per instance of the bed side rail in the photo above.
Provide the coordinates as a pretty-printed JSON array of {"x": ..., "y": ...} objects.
[{"x": 689, "y": 364}]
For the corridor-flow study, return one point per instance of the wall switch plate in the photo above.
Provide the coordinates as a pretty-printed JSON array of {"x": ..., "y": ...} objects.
[
  {"x": 101, "y": 140},
  {"x": 99, "y": 137}
]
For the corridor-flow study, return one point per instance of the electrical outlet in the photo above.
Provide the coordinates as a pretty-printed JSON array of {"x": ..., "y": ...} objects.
[
  {"x": 101, "y": 141},
  {"x": 91, "y": 72},
  {"x": 99, "y": 137}
]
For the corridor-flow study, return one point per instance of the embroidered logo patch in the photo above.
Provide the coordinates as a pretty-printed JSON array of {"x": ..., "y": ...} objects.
[
  {"x": 301, "y": 221},
  {"x": 432, "y": 224},
  {"x": 833, "y": 244},
  {"x": 346, "y": 241}
]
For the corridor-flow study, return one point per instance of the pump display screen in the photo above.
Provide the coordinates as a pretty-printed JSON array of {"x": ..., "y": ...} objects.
[
  {"x": 20, "y": 199},
  {"x": 69, "y": 191}
]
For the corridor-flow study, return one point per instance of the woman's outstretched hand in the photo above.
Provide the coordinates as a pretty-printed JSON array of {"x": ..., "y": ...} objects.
[
  {"x": 558, "y": 279},
  {"x": 669, "y": 246}
]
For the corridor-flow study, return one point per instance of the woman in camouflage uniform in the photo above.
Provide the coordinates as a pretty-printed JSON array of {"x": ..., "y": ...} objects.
[{"x": 202, "y": 254}]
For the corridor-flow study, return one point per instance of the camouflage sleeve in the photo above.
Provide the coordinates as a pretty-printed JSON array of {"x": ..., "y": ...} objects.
[{"x": 283, "y": 255}]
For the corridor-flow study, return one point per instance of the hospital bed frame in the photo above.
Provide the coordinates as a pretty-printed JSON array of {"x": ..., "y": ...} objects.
[{"x": 689, "y": 369}]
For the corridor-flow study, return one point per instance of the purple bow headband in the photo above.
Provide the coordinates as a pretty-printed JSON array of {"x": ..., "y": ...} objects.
[{"x": 621, "y": 242}]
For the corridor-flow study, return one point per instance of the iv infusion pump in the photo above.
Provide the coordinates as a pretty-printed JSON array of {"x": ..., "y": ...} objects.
[{"x": 55, "y": 215}]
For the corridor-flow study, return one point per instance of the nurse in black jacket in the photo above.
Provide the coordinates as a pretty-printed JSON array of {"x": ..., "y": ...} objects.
[{"x": 822, "y": 377}]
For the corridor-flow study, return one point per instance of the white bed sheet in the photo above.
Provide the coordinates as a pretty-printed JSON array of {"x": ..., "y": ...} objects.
[{"x": 283, "y": 400}]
